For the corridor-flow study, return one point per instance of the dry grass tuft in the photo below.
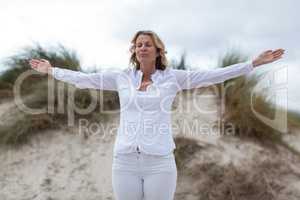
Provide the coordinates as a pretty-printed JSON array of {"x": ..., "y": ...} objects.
[{"x": 34, "y": 92}]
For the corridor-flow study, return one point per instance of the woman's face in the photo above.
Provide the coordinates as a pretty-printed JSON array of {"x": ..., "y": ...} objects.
[{"x": 145, "y": 49}]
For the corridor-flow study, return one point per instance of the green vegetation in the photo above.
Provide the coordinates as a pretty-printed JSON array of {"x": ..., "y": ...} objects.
[
  {"x": 18, "y": 126},
  {"x": 236, "y": 93}
]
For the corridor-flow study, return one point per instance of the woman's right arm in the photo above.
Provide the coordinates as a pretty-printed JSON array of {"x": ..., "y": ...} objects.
[{"x": 101, "y": 80}]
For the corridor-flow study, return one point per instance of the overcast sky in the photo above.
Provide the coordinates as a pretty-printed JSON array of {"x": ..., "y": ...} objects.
[{"x": 100, "y": 31}]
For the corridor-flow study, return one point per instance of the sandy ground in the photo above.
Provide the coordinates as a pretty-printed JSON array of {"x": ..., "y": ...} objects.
[
  {"x": 62, "y": 164},
  {"x": 5, "y": 107},
  {"x": 57, "y": 165}
]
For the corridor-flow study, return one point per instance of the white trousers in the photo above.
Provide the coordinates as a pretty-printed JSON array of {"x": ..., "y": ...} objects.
[{"x": 139, "y": 176}]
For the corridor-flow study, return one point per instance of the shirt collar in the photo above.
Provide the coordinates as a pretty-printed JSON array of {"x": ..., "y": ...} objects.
[{"x": 154, "y": 76}]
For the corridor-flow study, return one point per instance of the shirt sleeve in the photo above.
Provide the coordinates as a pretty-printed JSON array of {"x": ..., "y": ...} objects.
[
  {"x": 106, "y": 80},
  {"x": 196, "y": 78}
]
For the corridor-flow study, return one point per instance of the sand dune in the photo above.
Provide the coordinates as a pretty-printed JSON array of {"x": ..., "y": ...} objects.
[{"x": 63, "y": 164}]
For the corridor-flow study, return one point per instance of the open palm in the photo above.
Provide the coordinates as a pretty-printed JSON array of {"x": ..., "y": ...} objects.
[
  {"x": 40, "y": 65},
  {"x": 268, "y": 57}
]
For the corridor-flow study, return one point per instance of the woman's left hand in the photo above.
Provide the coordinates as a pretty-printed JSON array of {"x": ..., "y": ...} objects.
[{"x": 268, "y": 57}]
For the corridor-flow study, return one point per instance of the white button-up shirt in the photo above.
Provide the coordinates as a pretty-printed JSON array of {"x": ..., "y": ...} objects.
[{"x": 145, "y": 119}]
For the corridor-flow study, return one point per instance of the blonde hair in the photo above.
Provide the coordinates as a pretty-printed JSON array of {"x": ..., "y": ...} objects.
[{"x": 161, "y": 60}]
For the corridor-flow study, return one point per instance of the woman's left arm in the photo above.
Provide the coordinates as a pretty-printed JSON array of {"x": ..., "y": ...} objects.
[{"x": 193, "y": 79}]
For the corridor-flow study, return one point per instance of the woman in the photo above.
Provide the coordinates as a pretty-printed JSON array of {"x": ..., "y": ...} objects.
[{"x": 143, "y": 162}]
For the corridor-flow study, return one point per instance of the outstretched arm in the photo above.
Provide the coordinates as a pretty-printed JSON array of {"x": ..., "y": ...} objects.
[
  {"x": 193, "y": 79},
  {"x": 100, "y": 80}
]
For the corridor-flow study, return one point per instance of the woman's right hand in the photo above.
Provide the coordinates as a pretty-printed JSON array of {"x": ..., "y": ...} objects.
[{"x": 41, "y": 65}]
